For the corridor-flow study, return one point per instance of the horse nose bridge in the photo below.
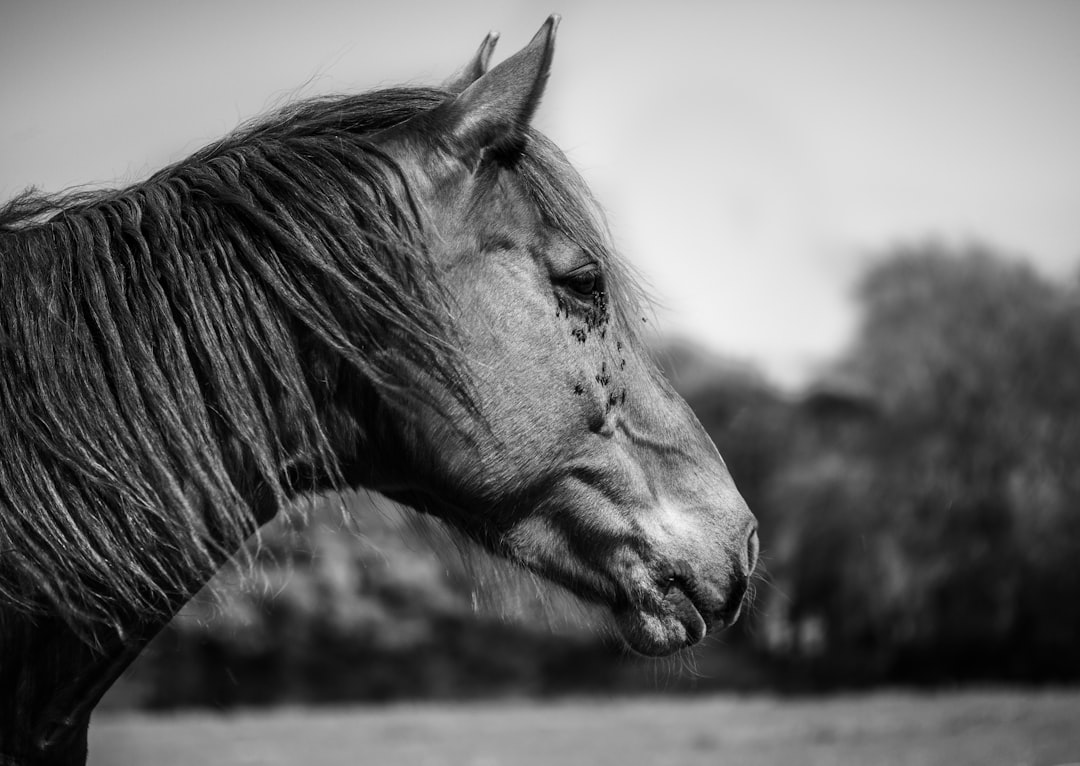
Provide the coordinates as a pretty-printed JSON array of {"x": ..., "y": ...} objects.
[
  {"x": 707, "y": 492},
  {"x": 715, "y": 541},
  {"x": 691, "y": 508},
  {"x": 675, "y": 458}
]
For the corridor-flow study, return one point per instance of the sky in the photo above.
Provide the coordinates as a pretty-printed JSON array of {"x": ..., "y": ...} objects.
[{"x": 753, "y": 157}]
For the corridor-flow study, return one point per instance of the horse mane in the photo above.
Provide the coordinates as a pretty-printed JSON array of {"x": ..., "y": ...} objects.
[{"x": 170, "y": 350}]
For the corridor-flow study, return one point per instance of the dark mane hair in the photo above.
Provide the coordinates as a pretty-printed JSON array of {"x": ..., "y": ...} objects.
[{"x": 168, "y": 351}]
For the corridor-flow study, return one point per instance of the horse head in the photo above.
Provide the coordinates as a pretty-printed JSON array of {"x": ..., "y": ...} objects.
[
  {"x": 570, "y": 454},
  {"x": 409, "y": 290}
]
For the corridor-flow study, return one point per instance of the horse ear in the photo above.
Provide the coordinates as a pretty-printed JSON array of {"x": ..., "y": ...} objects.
[
  {"x": 476, "y": 67},
  {"x": 495, "y": 110}
]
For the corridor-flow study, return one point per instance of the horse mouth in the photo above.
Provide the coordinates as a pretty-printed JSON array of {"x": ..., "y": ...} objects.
[
  {"x": 657, "y": 634},
  {"x": 659, "y": 605},
  {"x": 672, "y": 619}
]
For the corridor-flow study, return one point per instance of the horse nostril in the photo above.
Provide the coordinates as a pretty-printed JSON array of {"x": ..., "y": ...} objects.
[
  {"x": 679, "y": 575},
  {"x": 729, "y": 613},
  {"x": 752, "y": 549}
]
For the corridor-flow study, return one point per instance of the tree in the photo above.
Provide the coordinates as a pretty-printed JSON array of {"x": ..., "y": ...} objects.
[{"x": 938, "y": 539}]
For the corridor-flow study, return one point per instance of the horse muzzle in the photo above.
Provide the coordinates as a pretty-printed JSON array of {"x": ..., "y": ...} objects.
[{"x": 678, "y": 604}]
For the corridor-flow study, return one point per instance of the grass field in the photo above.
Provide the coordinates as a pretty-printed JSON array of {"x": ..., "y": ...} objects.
[{"x": 986, "y": 727}]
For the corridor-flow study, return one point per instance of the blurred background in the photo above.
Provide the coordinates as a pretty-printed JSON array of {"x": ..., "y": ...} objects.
[{"x": 862, "y": 224}]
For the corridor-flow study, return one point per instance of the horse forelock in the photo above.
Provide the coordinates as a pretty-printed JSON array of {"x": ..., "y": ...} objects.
[{"x": 168, "y": 349}]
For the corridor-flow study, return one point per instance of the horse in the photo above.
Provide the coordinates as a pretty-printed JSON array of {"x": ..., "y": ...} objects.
[{"x": 409, "y": 291}]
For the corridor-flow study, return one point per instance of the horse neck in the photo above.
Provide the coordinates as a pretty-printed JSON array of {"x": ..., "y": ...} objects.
[
  {"x": 50, "y": 680},
  {"x": 52, "y": 677}
]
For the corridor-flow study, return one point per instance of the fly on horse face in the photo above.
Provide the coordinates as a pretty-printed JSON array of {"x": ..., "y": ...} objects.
[{"x": 407, "y": 290}]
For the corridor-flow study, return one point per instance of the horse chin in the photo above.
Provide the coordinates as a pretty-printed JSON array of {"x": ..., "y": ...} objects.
[{"x": 660, "y": 633}]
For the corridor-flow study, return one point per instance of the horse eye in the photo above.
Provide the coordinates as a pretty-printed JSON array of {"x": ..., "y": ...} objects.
[{"x": 586, "y": 282}]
